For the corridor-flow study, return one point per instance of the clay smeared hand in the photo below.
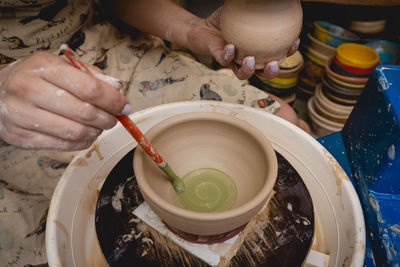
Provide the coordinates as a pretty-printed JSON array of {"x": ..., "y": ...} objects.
[
  {"x": 45, "y": 103},
  {"x": 206, "y": 38}
]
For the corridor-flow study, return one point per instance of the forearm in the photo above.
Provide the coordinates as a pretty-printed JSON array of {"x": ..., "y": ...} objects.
[{"x": 163, "y": 18}]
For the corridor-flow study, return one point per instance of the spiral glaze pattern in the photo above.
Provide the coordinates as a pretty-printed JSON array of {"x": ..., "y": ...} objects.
[{"x": 208, "y": 190}]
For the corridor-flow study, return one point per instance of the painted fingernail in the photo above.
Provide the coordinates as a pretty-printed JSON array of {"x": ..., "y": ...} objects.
[
  {"x": 114, "y": 82},
  {"x": 250, "y": 62},
  {"x": 273, "y": 66},
  {"x": 296, "y": 44},
  {"x": 126, "y": 110},
  {"x": 229, "y": 51}
]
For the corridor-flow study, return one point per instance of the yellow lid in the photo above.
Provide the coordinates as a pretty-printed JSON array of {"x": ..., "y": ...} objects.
[{"x": 357, "y": 55}]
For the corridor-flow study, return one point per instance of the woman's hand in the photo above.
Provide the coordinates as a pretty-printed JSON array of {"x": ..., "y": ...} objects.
[
  {"x": 205, "y": 38},
  {"x": 45, "y": 103}
]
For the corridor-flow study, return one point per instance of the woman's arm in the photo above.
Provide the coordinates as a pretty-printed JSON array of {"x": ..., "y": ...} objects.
[{"x": 173, "y": 23}]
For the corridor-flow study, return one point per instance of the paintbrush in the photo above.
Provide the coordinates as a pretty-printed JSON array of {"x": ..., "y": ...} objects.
[{"x": 129, "y": 125}]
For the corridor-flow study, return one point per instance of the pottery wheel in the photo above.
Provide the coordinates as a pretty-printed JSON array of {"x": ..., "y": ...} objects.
[{"x": 282, "y": 236}]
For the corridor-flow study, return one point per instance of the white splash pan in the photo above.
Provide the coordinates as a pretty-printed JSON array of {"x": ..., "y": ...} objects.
[{"x": 340, "y": 231}]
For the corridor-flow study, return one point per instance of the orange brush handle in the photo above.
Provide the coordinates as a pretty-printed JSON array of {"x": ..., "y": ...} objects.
[{"x": 125, "y": 120}]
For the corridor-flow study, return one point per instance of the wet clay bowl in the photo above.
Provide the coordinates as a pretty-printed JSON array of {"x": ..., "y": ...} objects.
[
  {"x": 357, "y": 56},
  {"x": 207, "y": 140},
  {"x": 332, "y": 34},
  {"x": 389, "y": 52},
  {"x": 347, "y": 79}
]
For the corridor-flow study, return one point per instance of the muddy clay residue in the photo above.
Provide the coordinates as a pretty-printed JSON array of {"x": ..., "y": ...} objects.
[
  {"x": 338, "y": 172},
  {"x": 95, "y": 147},
  {"x": 62, "y": 228},
  {"x": 279, "y": 236},
  {"x": 80, "y": 162}
]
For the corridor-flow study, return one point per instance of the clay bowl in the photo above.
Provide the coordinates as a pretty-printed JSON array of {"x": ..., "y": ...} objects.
[
  {"x": 347, "y": 79},
  {"x": 327, "y": 115},
  {"x": 368, "y": 27},
  {"x": 389, "y": 52},
  {"x": 207, "y": 140},
  {"x": 331, "y": 106},
  {"x": 357, "y": 55},
  {"x": 319, "y": 56},
  {"x": 319, "y": 124},
  {"x": 338, "y": 91},
  {"x": 332, "y": 34},
  {"x": 345, "y": 84},
  {"x": 346, "y": 70},
  {"x": 321, "y": 47},
  {"x": 291, "y": 66}
]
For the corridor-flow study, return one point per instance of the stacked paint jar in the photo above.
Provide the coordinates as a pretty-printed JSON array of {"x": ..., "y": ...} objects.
[{"x": 345, "y": 77}]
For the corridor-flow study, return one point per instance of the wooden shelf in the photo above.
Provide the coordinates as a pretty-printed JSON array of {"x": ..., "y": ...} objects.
[{"x": 360, "y": 2}]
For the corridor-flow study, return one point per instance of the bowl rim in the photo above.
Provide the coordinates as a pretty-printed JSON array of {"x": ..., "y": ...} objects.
[
  {"x": 321, "y": 121},
  {"x": 382, "y": 41},
  {"x": 346, "y": 84},
  {"x": 351, "y": 36},
  {"x": 255, "y": 201},
  {"x": 342, "y": 77},
  {"x": 326, "y": 46},
  {"x": 355, "y": 62},
  {"x": 332, "y": 107}
]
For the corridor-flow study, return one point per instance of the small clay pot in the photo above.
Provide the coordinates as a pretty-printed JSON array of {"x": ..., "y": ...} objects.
[
  {"x": 259, "y": 28},
  {"x": 207, "y": 140}
]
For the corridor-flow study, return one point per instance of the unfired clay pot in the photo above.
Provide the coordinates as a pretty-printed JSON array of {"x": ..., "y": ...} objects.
[
  {"x": 265, "y": 29},
  {"x": 207, "y": 140}
]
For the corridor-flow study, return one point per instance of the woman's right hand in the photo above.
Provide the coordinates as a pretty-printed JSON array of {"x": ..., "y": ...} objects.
[{"x": 45, "y": 103}]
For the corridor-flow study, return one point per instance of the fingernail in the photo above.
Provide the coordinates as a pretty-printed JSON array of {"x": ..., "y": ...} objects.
[
  {"x": 273, "y": 66},
  {"x": 114, "y": 82},
  {"x": 126, "y": 110},
  {"x": 229, "y": 51},
  {"x": 250, "y": 62},
  {"x": 296, "y": 44}
]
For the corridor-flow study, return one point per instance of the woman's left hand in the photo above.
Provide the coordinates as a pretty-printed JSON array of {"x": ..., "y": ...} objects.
[{"x": 206, "y": 38}]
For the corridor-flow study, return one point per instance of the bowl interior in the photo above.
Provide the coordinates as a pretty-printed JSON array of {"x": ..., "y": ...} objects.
[
  {"x": 336, "y": 31},
  {"x": 389, "y": 52},
  {"x": 206, "y": 140},
  {"x": 357, "y": 55}
]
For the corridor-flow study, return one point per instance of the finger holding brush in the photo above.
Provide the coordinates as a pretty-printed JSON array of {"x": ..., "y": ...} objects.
[
  {"x": 46, "y": 103},
  {"x": 131, "y": 127}
]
